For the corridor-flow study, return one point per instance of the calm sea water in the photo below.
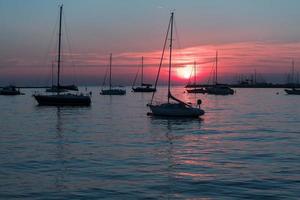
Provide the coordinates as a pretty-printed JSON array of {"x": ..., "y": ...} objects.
[{"x": 246, "y": 146}]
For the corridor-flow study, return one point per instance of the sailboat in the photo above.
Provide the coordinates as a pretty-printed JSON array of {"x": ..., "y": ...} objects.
[
  {"x": 177, "y": 108},
  {"x": 293, "y": 90},
  {"x": 60, "y": 98},
  {"x": 111, "y": 90},
  {"x": 194, "y": 85},
  {"x": 144, "y": 87},
  {"x": 61, "y": 88},
  {"x": 10, "y": 90},
  {"x": 53, "y": 87},
  {"x": 218, "y": 89}
]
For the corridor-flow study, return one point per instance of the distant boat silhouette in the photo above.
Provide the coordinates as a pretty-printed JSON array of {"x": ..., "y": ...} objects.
[
  {"x": 293, "y": 90},
  {"x": 10, "y": 90},
  {"x": 195, "y": 87},
  {"x": 54, "y": 88},
  {"x": 61, "y": 99},
  {"x": 111, "y": 90},
  {"x": 144, "y": 87},
  {"x": 177, "y": 108},
  {"x": 218, "y": 89},
  {"x": 63, "y": 88}
]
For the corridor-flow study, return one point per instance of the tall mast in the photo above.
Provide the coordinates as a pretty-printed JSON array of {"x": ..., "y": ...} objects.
[
  {"x": 161, "y": 60},
  {"x": 255, "y": 75},
  {"x": 59, "y": 48},
  {"x": 216, "y": 78},
  {"x": 293, "y": 72},
  {"x": 170, "y": 57},
  {"x": 142, "y": 77},
  {"x": 110, "y": 61},
  {"x": 52, "y": 73},
  {"x": 195, "y": 73}
]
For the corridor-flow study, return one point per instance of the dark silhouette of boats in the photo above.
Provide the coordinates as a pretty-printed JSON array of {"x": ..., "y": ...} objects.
[
  {"x": 218, "y": 89},
  {"x": 144, "y": 87},
  {"x": 111, "y": 90},
  {"x": 62, "y": 88},
  {"x": 177, "y": 108},
  {"x": 60, "y": 98},
  {"x": 293, "y": 90},
  {"x": 63, "y": 100},
  {"x": 194, "y": 86},
  {"x": 197, "y": 90},
  {"x": 10, "y": 90},
  {"x": 254, "y": 80}
]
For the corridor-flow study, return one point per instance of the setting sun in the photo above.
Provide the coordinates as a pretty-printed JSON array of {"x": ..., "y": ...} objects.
[{"x": 184, "y": 72}]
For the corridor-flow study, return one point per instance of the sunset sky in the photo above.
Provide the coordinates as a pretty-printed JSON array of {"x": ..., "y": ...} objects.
[{"x": 261, "y": 35}]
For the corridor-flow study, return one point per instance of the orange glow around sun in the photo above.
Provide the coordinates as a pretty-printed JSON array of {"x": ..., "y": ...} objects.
[{"x": 184, "y": 72}]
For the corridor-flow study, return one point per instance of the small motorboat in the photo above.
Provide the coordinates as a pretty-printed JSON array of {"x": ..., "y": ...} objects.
[
  {"x": 293, "y": 91},
  {"x": 10, "y": 90},
  {"x": 144, "y": 88},
  {"x": 197, "y": 90},
  {"x": 113, "y": 91}
]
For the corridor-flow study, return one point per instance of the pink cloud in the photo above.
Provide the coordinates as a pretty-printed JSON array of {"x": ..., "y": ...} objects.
[{"x": 244, "y": 57}]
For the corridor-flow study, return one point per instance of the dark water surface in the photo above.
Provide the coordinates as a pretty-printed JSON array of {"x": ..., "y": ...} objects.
[{"x": 246, "y": 146}]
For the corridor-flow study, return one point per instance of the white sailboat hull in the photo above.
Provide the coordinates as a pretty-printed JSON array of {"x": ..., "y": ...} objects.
[{"x": 175, "y": 110}]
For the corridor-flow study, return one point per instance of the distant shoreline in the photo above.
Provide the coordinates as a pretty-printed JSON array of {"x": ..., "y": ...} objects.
[
  {"x": 262, "y": 85},
  {"x": 189, "y": 86},
  {"x": 24, "y": 87}
]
